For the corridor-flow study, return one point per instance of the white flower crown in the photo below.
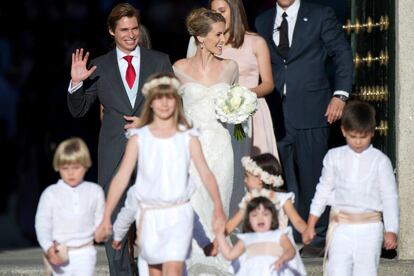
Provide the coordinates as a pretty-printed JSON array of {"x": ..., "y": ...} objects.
[
  {"x": 270, "y": 179},
  {"x": 161, "y": 81},
  {"x": 269, "y": 194}
]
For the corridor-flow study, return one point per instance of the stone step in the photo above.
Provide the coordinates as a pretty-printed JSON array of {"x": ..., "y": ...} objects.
[{"x": 29, "y": 262}]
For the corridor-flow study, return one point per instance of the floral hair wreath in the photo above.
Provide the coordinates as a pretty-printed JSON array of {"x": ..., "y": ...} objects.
[
  {"x": 161, "y": 81},
  {"x": 270, "y": 179},
  {"x": 269, "y": 194}
]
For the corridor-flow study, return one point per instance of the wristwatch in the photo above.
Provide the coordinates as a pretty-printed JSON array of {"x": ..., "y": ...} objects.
[{"x": 341, "y": 97}]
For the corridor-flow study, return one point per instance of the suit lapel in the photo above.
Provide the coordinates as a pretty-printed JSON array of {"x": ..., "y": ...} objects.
[
  {"x": 300, "y": 27},
  {"x": 115, "y": 78},
  {"x": 270, "y": 24},
  {"x": 144, "y": 69}
]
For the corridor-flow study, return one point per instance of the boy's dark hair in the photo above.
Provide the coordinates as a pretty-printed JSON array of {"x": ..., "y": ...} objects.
[
  {"x": 253, "y": 205},
  {"x": 269, "y": 163},
  {"x": 358, "y": 116}
]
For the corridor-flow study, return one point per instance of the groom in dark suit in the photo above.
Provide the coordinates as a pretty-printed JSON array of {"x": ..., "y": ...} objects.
[
  {"x": 116, "y": 79},
  {"x": 301, "y": 36}
]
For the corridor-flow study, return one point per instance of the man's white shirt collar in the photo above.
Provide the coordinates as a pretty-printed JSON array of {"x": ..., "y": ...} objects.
[
  {"x": 120, "y": 55},
  {"x": 291, "y": 11}
]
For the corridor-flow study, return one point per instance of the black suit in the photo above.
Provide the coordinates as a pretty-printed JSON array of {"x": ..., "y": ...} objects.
[
  {"x": 106, "y": 84},
  {"x": 300, "y": 124}
]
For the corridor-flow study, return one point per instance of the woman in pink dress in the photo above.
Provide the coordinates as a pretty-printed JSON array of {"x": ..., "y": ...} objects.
[{"x": 251, "y": 53}]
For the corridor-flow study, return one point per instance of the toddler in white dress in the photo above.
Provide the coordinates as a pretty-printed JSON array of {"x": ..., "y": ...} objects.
[
  {"x": 266, "y": 248},
  {"x": 263, "y": 174}
]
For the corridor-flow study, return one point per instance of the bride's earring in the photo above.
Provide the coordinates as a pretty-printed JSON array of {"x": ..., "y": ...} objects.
[{"x": 202, "y": 45}]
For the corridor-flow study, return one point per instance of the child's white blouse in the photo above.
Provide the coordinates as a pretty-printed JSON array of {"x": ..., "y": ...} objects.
[
  {"x": 68, "y": 214},
  {"x": 163, "y": 167},
  {"x": 358, "y": 182}
]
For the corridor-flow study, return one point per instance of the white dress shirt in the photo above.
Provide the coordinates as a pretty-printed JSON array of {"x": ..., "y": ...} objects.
[
  {"x": 69, "y": 215},
  {"x": 122, "y": 65},
  {"x": 358, "y": 182},
  {"x": 292, "y": 14}
]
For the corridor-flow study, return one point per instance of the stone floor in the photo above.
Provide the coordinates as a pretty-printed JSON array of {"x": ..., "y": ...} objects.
[{"x": 28, "y": 262}]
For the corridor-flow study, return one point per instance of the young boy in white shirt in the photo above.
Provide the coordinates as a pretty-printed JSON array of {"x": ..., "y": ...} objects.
[
  {"x": 69, "y": 212},
  {"x": 358, "y": 183}
]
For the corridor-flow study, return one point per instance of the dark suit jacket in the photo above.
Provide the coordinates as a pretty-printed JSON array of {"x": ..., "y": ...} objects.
[
  {"x": 106, "y": 84},
  {"x": 317, "y": 35}
]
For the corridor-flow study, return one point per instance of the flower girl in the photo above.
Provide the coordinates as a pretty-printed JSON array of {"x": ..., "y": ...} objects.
[
  {"x": 263, "y": 174},
  {"x": 267, "y": 248},
  {"x": 159, "y": 202}
]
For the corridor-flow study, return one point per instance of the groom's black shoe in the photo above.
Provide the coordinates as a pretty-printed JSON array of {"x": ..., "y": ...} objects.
[{"x": 309, "y": 251}]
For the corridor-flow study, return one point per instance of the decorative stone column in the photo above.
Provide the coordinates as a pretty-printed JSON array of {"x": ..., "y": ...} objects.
[{"x": 405, "y": 123}]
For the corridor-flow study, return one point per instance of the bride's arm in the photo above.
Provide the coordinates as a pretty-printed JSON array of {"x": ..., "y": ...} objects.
[{"x": 208, "y": 180}]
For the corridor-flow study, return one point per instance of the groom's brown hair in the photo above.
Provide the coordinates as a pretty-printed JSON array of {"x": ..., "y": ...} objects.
[{"x": 119, "y": 11}]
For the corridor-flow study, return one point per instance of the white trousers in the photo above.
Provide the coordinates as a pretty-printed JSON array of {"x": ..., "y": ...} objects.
[
  {"x": 81, "y": 262},
  {"x": 355, "y": 250}
]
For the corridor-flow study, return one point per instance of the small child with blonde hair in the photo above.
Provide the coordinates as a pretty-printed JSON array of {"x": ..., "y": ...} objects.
[{"x": 69, "y": 212}]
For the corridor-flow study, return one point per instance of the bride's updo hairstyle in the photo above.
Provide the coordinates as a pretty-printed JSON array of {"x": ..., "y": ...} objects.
[
  {"x": 161, "y": 85},
  {"x": 199, "y": 22}
]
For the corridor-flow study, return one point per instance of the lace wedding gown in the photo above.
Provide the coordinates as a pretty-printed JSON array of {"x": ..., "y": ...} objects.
[{"x": 198, "y": 100}]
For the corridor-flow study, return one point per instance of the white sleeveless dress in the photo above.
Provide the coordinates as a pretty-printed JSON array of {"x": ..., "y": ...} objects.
[
  {"x": 215, "y": 140},
  {"x": 161, "y": 194},
  {"x": 259, "y": 262},
  {"x": 296, "y": 264}
]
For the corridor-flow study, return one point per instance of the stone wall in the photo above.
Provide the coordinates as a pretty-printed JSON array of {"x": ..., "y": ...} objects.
[{"x": 405, "y": 123}]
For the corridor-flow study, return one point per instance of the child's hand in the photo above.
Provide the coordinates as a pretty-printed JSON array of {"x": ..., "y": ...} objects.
[
  {"x": 52, "y": 256},
  {"x": 116, "y": 245},
  {"x": 211, "y": 249},
  {"x": 308, "y": 235},
  {"x": 103, "y": 231},
  {"x": 390, "y": 240},
  {"x": 278, "y": 264}
]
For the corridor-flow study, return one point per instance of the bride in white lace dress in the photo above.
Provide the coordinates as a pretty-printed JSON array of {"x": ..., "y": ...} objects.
[{"x": 203, "y": 77}]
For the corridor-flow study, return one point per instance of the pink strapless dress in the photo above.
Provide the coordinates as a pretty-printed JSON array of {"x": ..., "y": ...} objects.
[{"x": 263, "y": 138}]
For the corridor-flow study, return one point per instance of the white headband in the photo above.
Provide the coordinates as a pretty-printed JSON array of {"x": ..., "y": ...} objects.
[
  {"x": 271, "y": 195},
  {"x": 251, "y": 166},
  {"x": 161, "y": 81}
]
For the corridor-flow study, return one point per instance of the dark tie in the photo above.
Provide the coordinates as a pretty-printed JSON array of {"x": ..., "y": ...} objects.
[
  {"x": 283, "y": 47},
  {"x": 130, "y": 72}
]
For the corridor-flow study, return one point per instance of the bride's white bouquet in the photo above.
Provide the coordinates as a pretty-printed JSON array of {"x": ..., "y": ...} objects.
[{"x": 235, "y": 106}]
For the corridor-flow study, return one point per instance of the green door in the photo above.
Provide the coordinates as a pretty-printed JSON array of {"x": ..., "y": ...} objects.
[{"x": 371, "y": 33}]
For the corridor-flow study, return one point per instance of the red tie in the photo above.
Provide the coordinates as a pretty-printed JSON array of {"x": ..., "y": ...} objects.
[{"x": 130, "y": 72}]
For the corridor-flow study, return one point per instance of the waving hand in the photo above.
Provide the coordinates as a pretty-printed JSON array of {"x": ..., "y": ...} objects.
[{"x": 78, "y": 71}]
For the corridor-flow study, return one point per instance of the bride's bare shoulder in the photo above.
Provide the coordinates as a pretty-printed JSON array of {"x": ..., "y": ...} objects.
[
  {"x": 181, "y": 63},
  {"x": 230, "y": 63}
]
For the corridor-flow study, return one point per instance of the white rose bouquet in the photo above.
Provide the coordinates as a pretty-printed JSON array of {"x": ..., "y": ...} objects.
[{"x": 235, "y": 106}]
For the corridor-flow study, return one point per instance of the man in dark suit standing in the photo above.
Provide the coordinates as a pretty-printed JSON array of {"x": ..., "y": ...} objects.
[
  {"x": 116, "y": 79},
  {"x": 301, "y": 36}
]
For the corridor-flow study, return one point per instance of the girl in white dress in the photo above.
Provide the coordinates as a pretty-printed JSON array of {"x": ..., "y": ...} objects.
[
  {"x": 159, "y": 201},
  {"x": 263, "y": 174},
  {"x": 267, "y": 248}
]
